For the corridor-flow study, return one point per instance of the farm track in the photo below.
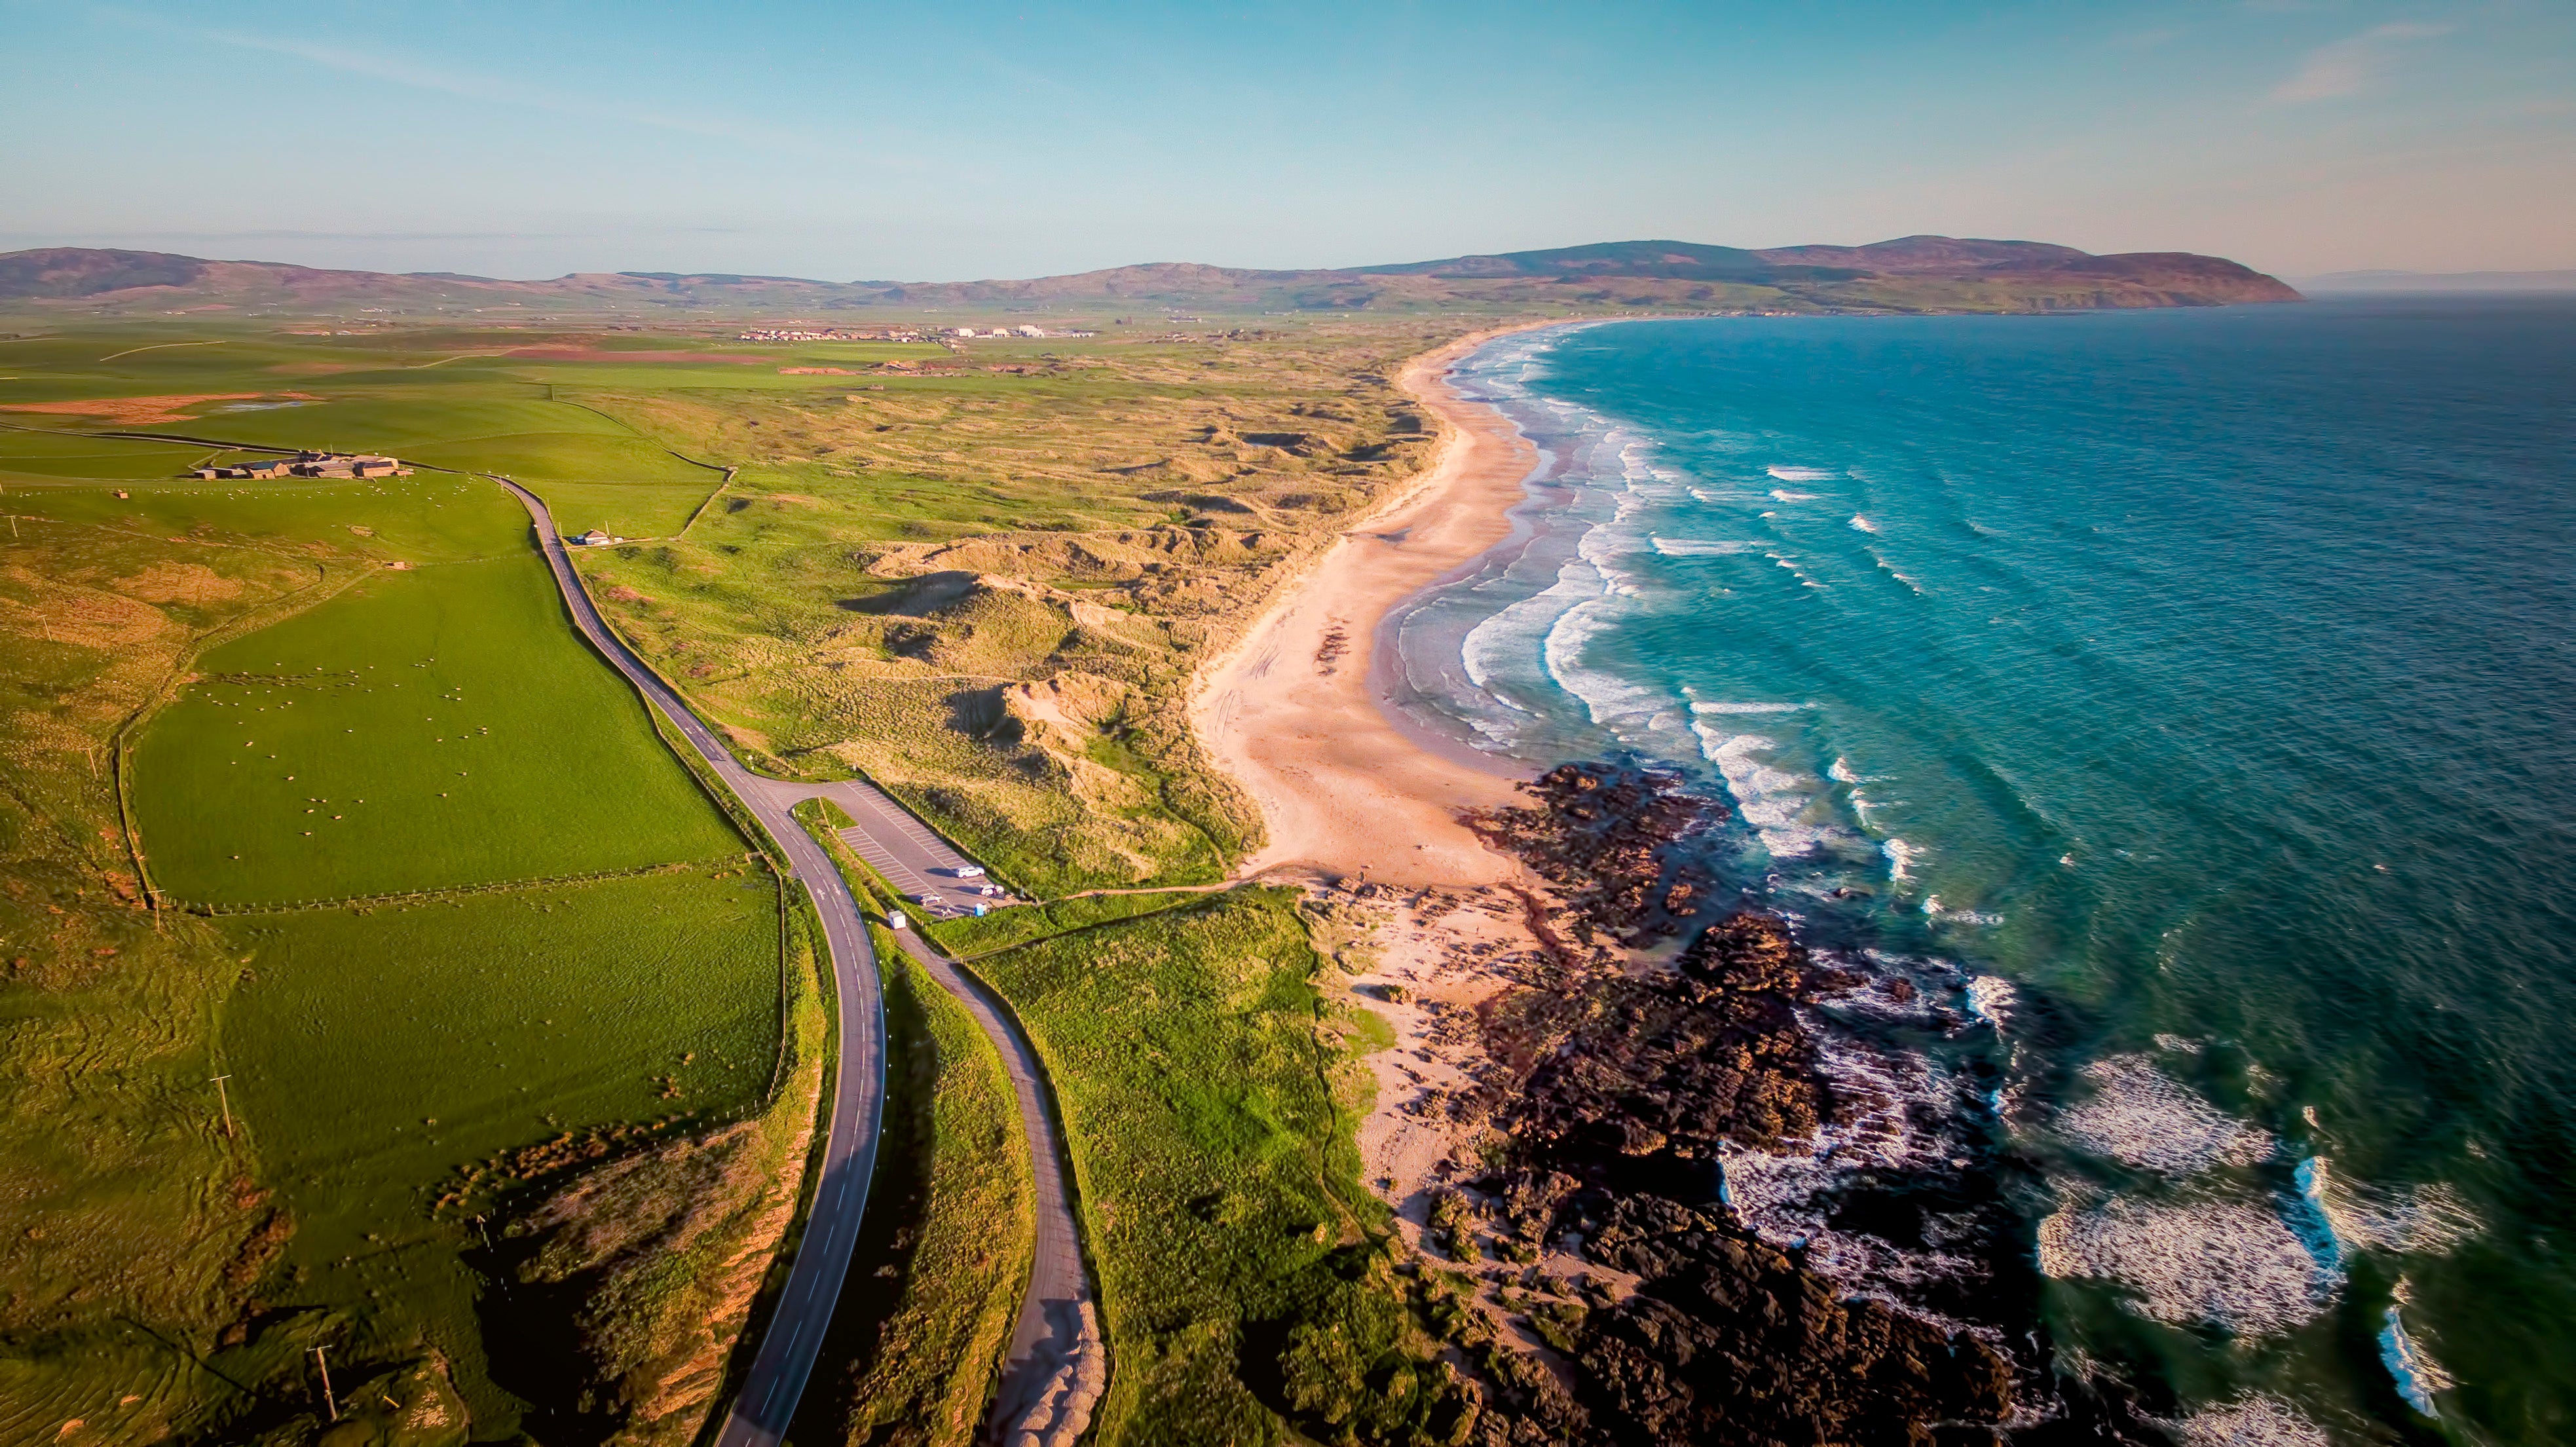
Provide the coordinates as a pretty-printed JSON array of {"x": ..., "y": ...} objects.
[{"x": 1056, "y": 1364}]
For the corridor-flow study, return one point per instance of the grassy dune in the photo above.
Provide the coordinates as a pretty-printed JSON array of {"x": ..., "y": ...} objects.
[
  {"x": 988, "y": 588},
  {"x": 983, "y": 577},
  {"x": 1207, "y": 1105}
]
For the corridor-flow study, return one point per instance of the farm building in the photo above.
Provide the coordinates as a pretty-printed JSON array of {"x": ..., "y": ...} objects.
[{"x": 312, "y": 464}]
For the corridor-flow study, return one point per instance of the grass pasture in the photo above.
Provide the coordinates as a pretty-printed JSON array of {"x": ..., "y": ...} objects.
[
  {"x": 430, "y": 728},
  {"x": 1209, "y": 1111},
  {"x": 376, "y": 1055},
  {"x": 33, "y": 454},
  {"x": 422, "y": 519}
]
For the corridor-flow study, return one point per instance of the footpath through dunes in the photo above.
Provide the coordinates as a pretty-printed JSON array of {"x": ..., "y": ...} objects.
[{"x": 1055, "y": 1363}]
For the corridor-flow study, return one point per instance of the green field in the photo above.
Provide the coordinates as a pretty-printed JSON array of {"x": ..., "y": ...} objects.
[
  {"x": 377, "y": 1056},
  {"x": 1244, "y": 1278},
  {"x": 425, "y": 729},
  {"x": 1116, "y": 506}
]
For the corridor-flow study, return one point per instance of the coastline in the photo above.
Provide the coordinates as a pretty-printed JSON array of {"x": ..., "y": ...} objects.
[{"x": 1295, "y": 712}]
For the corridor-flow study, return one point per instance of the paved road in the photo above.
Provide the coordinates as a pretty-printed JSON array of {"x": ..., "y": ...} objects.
[
  {"x": 909, "y": 853},
  {"x": 1057, "y": 1364},
  {"x": 760, "y": 1415}
]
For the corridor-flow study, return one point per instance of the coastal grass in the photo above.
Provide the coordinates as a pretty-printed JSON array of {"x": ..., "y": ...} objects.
[
  {"x": 424, "y": 729},
  {"x": 1209, "y": 1107},
  {"x": 968, "y": 937},
  {"x": 921, "y": 1331}
]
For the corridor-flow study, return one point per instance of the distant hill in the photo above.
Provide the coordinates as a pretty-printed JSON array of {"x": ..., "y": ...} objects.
[
  {"x": 1910, "y": 274},
  {"x": 2396, "y": 282}
]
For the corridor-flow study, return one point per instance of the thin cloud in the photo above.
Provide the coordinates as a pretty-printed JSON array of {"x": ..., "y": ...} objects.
[
  {"x": 488, "y": 89},
  {"x": 2349, "y": 66}
]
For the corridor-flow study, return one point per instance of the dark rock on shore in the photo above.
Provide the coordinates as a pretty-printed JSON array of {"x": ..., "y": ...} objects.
[
  {"x": 1602, "y": 834},
  {"x": 1671, "y": 1064},
  {"x": 1726, "y": 1340},
  {"x": 1616, "y": 1091}
]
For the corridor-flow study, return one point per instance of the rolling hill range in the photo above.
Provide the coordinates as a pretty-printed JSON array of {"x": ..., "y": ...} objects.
[{"x": 1910, "y": 274}]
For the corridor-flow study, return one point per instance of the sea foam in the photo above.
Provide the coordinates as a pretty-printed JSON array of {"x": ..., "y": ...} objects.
[
  {"x": 2140, "y": 1116},
  {"x": 2253, "y": 1420},
  {"x": 2224, "y": 1263}
]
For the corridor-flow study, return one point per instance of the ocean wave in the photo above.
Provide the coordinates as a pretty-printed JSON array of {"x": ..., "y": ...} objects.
[
  {"x": 1508, "y": 643},
  {"x": 1901, "y": 1115},
  {"x": 2210, "y": 1261},
  {"x": 1701, "y": 547},
  {"x": 1900, "y": 859},
  {"x": 1991, "y": 999},
  {"x": 2140, "y": 1116},
  {"x": 1722, "y": 706},
  {"x": 1802, "y": 474},
  {"x": 2419, "y": 1378},
  {"x": 2253, "y": 1420},
  {"x": 1862, "y": 524},
  {"x": 2423, "y": 1220},
  {"x": 1782, "y": 494},
  {"x": 1771, "y": 799}
]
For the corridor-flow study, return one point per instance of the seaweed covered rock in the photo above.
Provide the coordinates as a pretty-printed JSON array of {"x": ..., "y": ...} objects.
[
  {"x": 1675, "y": 1063},
  {"x": 1728, "y": 1340},
  {"x": 1601, "y": 834}
]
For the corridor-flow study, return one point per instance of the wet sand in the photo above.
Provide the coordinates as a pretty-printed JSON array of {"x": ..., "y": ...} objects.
[{"x": 1292, "y": 713}]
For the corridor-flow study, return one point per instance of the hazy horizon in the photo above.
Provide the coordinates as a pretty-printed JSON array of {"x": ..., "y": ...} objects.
[{"x": 2302, "y": 139}]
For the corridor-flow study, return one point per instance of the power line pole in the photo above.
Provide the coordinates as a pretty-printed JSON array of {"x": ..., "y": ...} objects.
[
  {"x": 327, "y": 1400},
  {"x": 224, "y": 1097}
]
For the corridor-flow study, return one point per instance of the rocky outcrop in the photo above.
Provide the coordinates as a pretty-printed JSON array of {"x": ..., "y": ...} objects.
[
  {"x": 1671, "y": 1064},
  {"x": 1616, "y": 1087},
  {"x": 1602, "y": 835},
  {"x": 1727, "y": 1340}
]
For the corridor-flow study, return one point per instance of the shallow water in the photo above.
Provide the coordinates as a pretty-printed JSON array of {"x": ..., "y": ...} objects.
[{"x": 2196, "y": 683}]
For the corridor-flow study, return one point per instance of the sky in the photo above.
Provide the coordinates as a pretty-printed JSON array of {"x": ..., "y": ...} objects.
[{"x": 959, "y": 139}]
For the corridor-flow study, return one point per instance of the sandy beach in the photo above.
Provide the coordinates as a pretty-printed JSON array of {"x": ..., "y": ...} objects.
[
  {"x": 1290, "y": 713},
  {"x": 1370, "y": 816}
]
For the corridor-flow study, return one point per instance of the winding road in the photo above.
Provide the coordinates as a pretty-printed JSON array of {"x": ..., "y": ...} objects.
[{"x": 1056, "y": 1364}]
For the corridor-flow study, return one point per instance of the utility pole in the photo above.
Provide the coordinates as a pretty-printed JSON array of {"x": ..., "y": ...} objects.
[
  {"x": 224, "y": 1097},
  {"x": 327, "y": 1400}
]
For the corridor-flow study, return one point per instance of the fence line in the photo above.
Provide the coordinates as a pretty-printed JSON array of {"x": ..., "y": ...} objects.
[{"x": 498, "y": 886}]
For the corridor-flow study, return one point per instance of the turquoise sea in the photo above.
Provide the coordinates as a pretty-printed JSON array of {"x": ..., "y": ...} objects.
[{"x": 2187, "y": 700}]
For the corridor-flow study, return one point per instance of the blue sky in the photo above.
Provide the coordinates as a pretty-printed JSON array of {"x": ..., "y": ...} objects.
[{"x": 948, "y": 141}]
